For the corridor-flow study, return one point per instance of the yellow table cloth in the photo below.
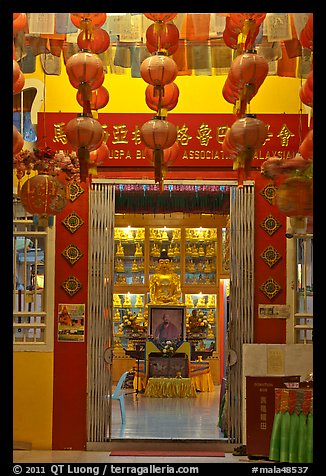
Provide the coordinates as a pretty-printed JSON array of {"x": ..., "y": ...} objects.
[
  {"x": 170, "y": 387},
  {"x": 199, "y": 373}
]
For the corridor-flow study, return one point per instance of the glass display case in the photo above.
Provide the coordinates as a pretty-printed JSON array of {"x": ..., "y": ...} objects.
[
  {"x": 168, "y": 239},
  {"x": 201, "y": 318},
  {"x": 128, "y": 315},
  {"x": 200, "y": 256},
  {"x": 129, "y": 256}
]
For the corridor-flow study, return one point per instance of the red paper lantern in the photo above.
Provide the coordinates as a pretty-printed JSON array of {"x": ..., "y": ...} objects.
[
  {"x": 99, "y": 155},
  {"x": 99, "y": 42},
  {"x": 162, "y": 36},
  {"x": 19, "y": 22},
  {"x": 294, "y": 197},
  {"x": 18, "y": 141},
  {"x": 43, "y": 195},
  {"x": 306, "y": 34},
  {"x": 230, "y": 92},
  {"x": 248, "y": 68},
  {"x": 158, "y": 134},
  {"x": 248, "y": 133},
  {"x": 230, "y": 38},
  {"x": 99, "y": 98},
  {"x": 306, "y": 146},
  {"x": 16, "y": 71},
  {"x": 170, "y": 154},
  {"x": 166, "y": 98},
  {"x": 19, "y": 84},
  {"x": 85, "y": 68},
  {"x": 158, "y": 70},
  {"x": 162, "y": 17},
  {"x": 84, "y": 132},
  {"x": 96, "y": 19}
]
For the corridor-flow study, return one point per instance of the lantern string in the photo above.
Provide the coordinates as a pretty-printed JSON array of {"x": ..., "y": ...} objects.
[{"x": 44, "y": 108}]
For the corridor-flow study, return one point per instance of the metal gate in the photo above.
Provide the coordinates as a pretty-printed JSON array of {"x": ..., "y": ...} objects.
[
  {"x": 241, "y": 310},
  {"x": 100, "y": 327}
]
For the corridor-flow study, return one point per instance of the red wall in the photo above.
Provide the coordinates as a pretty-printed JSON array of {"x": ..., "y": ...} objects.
[
  {"x": 70, "y": 358},
  {"x": 268, "y": 331}
]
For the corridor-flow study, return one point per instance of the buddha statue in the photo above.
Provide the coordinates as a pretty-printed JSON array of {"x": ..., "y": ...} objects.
[{"x": 165, "y": 285}]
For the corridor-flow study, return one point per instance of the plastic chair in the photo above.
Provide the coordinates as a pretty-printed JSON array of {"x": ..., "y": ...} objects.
[{"x": 119, "y": 394}]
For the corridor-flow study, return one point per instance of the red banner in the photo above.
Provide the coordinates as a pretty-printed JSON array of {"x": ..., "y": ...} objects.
[{"x": 200, "y": 137}]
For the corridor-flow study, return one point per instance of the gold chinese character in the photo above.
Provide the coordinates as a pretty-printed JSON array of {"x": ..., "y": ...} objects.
[
  {"x": 263, "y": 399},
  {"x": 204, "y": 134},
  {"x": 59, "y": 133},
  {"x": 263, "y": 408},
  {"x": 106, "y": 133},
  {"x": 182, "y": 135},
  {"x": 136, "y": 135},
  {"x": 285, "y": 135},
  {"x": 263, "y": 425},
  {"x": 263, "y": 416},
  {"x": 119, "y": 134},
  {"x": 269, "y": 134},
  {"x": 220, "y": 133}
]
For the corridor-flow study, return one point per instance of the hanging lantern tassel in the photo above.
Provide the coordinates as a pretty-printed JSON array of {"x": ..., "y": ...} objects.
[
  {"x": 158, "y": 156},
  {"x": 242, "y": 163},
  {"x": 87, "y": 27},
  {"x": 83, "y": 156},
  {"x": 86, "y": 92}
]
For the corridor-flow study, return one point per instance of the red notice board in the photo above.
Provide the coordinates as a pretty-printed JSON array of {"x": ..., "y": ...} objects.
[{"x": 260, "y": 410}]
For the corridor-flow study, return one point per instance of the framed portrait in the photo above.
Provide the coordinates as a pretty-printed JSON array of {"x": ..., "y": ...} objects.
[{"x": 166, "y": 322}]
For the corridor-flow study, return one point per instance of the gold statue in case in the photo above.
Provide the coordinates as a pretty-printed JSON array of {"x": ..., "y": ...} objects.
[{"x": 165, "y": 287}]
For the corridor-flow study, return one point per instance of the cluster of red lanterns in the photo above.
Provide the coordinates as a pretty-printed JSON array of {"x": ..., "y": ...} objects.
[
  {"x": 86, "y": 74},
  {"x": 241, "y": 30},
  {"x": 247, "y": 73},
  {"x": 159, "y": 70}
]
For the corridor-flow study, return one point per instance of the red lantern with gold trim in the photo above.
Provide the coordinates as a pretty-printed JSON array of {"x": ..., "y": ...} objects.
[
  {"x": 248, "y": 68},
  {"x": 85, "y": 71},
  {"x": 158, "y": 134},
  {"x": 163, "y": 17},
  {"x": 19, "y": 84},
  {"x": 16, "y": 71},
  {"x": 96, "y": 19},
  {"x": 99, "y": 42},
  {"x": 85, "y": 134},
  {"x": 162, "y": 36},
  {"x": 43, "y": 195},
  {"x": 19, "y": 22},
  {"x": 165, "y": 98},
  {"x": 158, "y": 70},
  {"x": 99, "y": 98},
  {"x": 99, "y": 155}
]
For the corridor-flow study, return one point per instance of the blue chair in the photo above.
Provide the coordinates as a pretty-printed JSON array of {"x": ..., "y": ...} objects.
[{"x": 119, "y": 394}]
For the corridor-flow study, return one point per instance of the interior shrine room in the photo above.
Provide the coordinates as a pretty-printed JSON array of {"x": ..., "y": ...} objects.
[{"x": 163, "y": 234}]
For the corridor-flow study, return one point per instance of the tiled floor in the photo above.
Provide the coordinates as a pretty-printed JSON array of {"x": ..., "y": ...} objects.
[
  {"x": 152, "y": 419},
  {"x": 165, "y": 418}
]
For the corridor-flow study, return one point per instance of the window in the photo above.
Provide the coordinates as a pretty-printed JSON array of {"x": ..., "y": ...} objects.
[
  {"x": 33, "y": 287},
  {"x": 300, "y": 288}
]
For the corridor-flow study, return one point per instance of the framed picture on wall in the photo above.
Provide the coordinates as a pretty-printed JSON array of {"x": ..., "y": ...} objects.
[{"x": 166, "y": 322}]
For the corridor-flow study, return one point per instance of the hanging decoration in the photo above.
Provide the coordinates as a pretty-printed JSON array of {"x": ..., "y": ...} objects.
[
  {"x": 246, "y": 74},
  {"x": 242, "y": 141},
  {"x": 85, "y": 134},
  {"x": 241, "y": 30},
  {"x": 159, "y": 71},
  {"x": 43, "y": 196},
  {"x": 86, "y": 73}
]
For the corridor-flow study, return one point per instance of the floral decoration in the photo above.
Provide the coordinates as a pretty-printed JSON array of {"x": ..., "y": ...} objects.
[
  {"x": 47, "y": 161},
  {"x": 198, "y": 322},
  {"x": 129, "y": 323},
  {"x": 168, "y": 347}
]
